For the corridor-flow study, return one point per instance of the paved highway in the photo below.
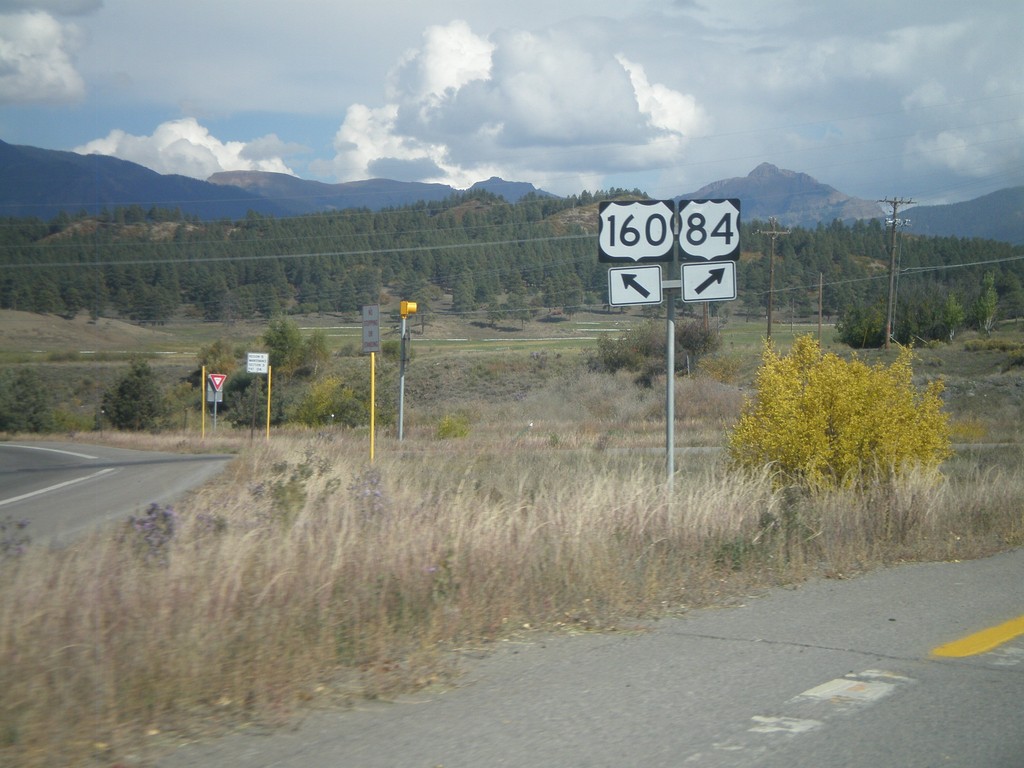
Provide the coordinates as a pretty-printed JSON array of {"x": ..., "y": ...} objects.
[
  {"x": 832, "y": 673},
  {"x": 63, "y": 489}
]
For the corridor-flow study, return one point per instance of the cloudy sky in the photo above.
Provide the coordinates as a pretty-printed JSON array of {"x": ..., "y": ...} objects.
[{"x": 921, "y": 99}]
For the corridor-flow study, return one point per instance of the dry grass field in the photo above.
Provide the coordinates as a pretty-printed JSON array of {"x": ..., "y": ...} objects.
[{"x": 528, "y": 496}]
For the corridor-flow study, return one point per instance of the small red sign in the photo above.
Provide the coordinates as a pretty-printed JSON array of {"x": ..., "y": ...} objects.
[{"x": 217, "y": 379}]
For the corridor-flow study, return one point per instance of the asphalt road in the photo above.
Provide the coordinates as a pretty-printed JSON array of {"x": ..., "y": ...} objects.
[
  {"x": 63, "y": 489},
  {"x": 832, "y": 673}
]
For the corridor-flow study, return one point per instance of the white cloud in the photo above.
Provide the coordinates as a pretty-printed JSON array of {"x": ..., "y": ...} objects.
[
  {"x": 185, "y": 147},
  {"x": 463, "y": 107},
  {"x": 451, "y": 57},
  {"x": 367, "y": 136},
  {"x": 952, "y": 150},
  {"x": 666, "y": 110},
  {"x": 974, "y": 153},
  {"x": 36, "y": 60}
]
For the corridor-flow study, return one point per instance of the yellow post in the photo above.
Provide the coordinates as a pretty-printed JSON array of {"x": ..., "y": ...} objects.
[
  {"x": 373, "y": 399},
  {"x": 202, "y": 401},
  {"x": 270, "y": 373}
]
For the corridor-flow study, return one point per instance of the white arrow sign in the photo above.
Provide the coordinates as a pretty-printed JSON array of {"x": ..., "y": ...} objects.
[
  {"x": 634, "y": 285},
  {"x": 709, "y": 281}
]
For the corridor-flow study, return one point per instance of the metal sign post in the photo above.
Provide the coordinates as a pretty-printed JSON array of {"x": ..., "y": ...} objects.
[
  {"x": 202, "y": 406},
  {"x": 670, "y": 388},
  {"x": 215, "y": 392},
  {"x": 707, "y": 235},
  {"x": 371, "y": 344},
  {"x": 259, "y": 362},
  {"x": 406, "y": 308}
]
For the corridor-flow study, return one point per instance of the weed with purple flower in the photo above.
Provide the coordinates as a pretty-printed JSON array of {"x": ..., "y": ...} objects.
[
  {"x": 153, "y": 532},
  {"x": 13, "y": 538}
]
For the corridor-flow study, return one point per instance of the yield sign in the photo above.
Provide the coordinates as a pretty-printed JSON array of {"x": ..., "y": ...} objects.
[{"x": 217, "y": 380}]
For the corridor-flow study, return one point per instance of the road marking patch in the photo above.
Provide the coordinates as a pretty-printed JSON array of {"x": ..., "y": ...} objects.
[
  {"x": 845, "y": 690},
  {"x": 805, "y": 712},
  {"x": 1010, "y": 656},
  {"x": 792, "y": 725}
]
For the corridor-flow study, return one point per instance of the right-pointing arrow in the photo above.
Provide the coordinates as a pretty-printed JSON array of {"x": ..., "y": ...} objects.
[
  {"x": 714, "y": 276},
  {"x": 629, "y": 281}
]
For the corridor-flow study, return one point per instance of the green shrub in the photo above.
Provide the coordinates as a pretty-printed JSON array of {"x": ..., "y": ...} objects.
[
  {"x": 822, "y": 421},
  {"x": 993, "y": 345},
  {"x": 453, "y": 426},
  {"x": 723, "y": 368},
  {"x": 329, "y": 401},
  {"x": 642, "y": 349}
]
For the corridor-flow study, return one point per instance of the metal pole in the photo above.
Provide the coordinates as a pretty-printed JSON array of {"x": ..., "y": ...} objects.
[
  {"x": 401, "y": 384},
  {"x": 202, "y": 401},
  {"x": 771, "y": 285},
  {"x": 373, "y": 400},
  {"x": 821, "y": 292},
  {"x": 670, "y": 387},
  {"x": 270, "y": 380},
  {"x": 889, "y": 312}
]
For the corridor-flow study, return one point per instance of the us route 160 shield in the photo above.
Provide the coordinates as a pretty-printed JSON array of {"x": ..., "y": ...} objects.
[{"x": 635, "y": 231}]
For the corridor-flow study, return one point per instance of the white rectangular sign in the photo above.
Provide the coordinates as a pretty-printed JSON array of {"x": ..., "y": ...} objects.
[
  {"x": 634, "y": 285},
  {"x": 257, "y": 362},
  {"x": 709, "y": 281},
  {"x": 371, "y": 328}
]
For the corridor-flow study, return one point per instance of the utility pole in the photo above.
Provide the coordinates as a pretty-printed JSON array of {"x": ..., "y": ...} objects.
[
  {"x": 895, "y": 202},
  {"x": 821, "y": 302},
  {"x": 773, "y": 233}
]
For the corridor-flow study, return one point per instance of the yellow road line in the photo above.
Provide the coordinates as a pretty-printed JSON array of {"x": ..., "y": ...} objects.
[{"x": 983, "y": 641}]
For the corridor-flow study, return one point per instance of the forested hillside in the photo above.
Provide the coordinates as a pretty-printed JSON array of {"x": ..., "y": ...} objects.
[{"x": 487, "y": 255}]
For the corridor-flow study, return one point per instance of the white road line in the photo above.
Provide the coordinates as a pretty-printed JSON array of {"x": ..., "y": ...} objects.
[
  {"x": 58, "y": 486},
  {"x": 51, "y": 450}
]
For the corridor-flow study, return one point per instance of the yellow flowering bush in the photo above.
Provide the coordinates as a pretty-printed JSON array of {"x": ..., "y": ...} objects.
[{"x": 823, "y": 421}]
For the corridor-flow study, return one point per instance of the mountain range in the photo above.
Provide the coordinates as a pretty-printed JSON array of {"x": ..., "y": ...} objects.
[
  {"x": 43, "y": 183},
  {"x": 795, "y": 199}
]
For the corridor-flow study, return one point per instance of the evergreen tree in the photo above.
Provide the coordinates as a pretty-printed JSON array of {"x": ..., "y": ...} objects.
[
  {"x": 135, "y": 402},
  {"x": 24, "y": 402},
  {"x": 284, "y": 342}
]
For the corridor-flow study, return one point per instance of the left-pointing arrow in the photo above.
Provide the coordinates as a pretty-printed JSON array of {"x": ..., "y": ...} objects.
[
  {"x": 629, "y": 281},
  {"x": 715, "y": 276}
]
